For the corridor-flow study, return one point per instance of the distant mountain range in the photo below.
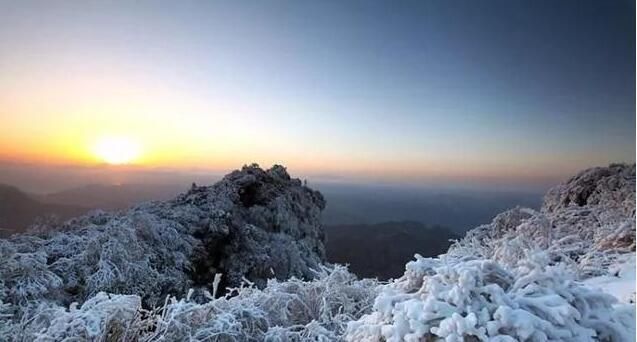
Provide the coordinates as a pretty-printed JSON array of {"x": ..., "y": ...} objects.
[
  {"x": 380, "y": 250},
  {"x": 19, "y": 210},
  {"x": 112, "y": 197},
  {"x": 346, "y": 204},
  {"x": 459, "y": 210}
]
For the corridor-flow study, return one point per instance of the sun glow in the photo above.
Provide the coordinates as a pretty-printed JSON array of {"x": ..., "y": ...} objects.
[{"x": 117, "y": 150}]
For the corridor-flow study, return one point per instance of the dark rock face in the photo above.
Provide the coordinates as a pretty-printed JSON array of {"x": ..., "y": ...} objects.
[{"x": 254, "y": 224}]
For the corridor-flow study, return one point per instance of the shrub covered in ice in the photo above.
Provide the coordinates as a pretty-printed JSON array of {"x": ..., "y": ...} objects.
[
  {"x": 612, "y": 188},
  {"x": 519, "y": 277},
  {"x": 587, "y": 223},
  {"x": 293, "y": 310},
  {"x": 460, "y": 300},
  {"x": 214, "y": 264},
  {"x": 254, "y": 224}
]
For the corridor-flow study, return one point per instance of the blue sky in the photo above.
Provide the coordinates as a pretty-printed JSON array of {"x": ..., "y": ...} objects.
[{"x": 415, "y": 90}]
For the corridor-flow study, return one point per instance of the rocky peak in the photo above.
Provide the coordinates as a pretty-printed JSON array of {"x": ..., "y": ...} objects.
[
  {"x": 252, "y": 225},
  {"x": 612, "y": 187}
]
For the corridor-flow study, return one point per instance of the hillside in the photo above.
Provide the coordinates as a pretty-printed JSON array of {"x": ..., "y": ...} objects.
[
  {"x": 528, "y": 275},
  {"x": 18, "y": 211},
  {"x": 113, "y": 197},
  {"x": 532, "y": 275},
  {"x": 252, "y": 225},
  {"x": 458, "y": 210},
  {"x": 380, "y": 250}
]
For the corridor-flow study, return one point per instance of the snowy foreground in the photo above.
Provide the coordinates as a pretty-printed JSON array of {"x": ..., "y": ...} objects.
[{"x": 564, "y": 273}]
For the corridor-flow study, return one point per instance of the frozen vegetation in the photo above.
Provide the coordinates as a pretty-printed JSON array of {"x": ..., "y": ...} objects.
[{"x": 243, "y": 260}]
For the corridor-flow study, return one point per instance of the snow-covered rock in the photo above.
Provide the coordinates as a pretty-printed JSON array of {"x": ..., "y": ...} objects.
[
  {"x": 587, "y": 222},
  {"x": 564, "y": 273},
  {"x": 292, "y": 310},
  {"x": 612, "y": 188},
  {"x": 254, "y": 224}
]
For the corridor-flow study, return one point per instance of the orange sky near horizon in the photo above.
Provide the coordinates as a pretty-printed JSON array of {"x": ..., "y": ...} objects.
[
  {"x": 219, "y": 85},
  {"x": 64, "y": 124},
  {"x": 177, "y": 130}
]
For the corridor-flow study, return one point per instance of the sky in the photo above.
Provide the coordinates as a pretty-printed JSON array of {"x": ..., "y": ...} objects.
[{"x": 424, "y": 92}]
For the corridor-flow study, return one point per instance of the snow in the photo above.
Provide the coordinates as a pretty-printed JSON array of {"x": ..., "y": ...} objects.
[
  {"x": 242, "y": 261},
  {"x": 533, "y": 300},
  {"x": 528, "y": 275},
  {"x": 293, "y": 310},
  {"x": 620, "y": 282},
  {"x": 253, "y": 224}
]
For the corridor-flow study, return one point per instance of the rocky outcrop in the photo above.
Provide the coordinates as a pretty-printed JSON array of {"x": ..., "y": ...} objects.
[
  {"x": 255, "y": 224},
  {"x": 518, "y": 278},
  {"x": 252, "y": 225},
  {"x": 609, "y": 188},
  {"x": 588, "y": 221},
  {"x": 524, "y": 276}
]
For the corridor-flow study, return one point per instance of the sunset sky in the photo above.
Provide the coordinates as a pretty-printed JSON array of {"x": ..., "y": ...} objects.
[{"x": 419, "y": 91}]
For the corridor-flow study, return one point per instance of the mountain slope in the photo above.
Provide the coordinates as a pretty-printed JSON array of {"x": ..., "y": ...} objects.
[
  {"x": 589, "y": 221},
  {"x": 458, "y": 210},
  {"x": 18, "y": 211},
  {"x": 111, "y": 197},
  {"x": 527, "y": 276},
  {"x": 253, "y": 224}
]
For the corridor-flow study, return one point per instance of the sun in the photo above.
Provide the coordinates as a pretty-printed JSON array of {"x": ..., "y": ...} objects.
[{"x": 117, "y": 150}]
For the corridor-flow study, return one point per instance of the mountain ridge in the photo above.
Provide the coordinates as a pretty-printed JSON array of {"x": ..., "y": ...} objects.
[
  {"x": 19, "y": 210},
  {"x": 530, "y": 274}
]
